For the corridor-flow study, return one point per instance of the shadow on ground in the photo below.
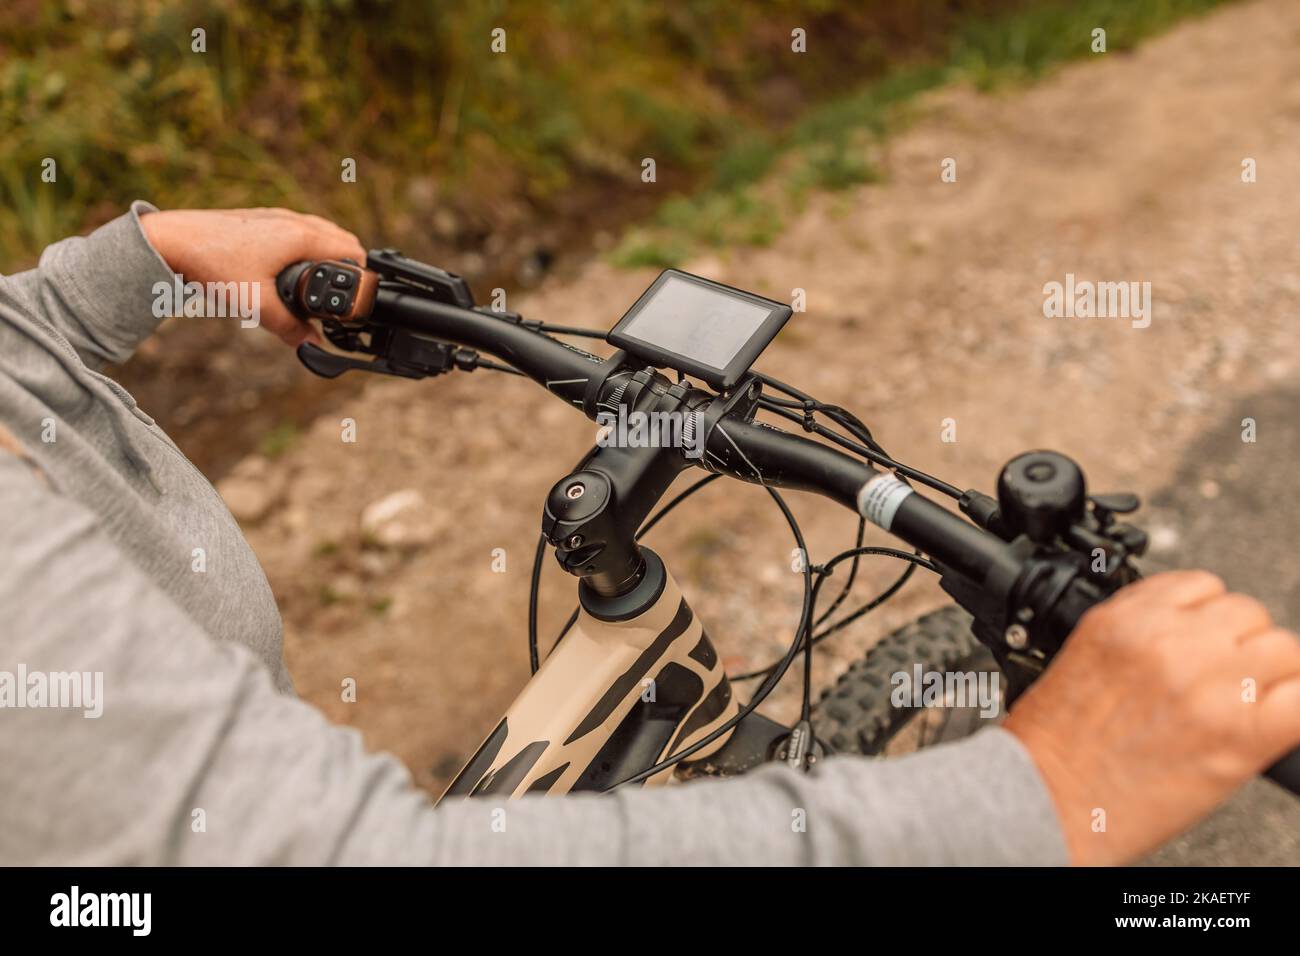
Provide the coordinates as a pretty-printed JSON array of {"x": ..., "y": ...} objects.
[{"x": 1233, "y": 505}]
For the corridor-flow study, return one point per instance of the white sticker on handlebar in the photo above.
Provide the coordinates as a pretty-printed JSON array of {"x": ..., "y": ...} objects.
[{"x": 879, "y": 499}]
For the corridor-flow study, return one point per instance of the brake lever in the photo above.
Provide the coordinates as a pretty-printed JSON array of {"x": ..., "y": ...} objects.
[
  {"x": 325, "y": 364},
  {"x": 403, "y": 355},
  {"x": 330, "y": 365}
]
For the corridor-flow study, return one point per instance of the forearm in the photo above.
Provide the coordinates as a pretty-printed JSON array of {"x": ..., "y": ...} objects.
[
  {"x": 97, "y": 290},
  {"x": 196, "y": 759},
  {"x": 976, "y": 802}
]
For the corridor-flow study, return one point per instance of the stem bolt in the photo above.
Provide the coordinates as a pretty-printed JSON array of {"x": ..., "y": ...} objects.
[
  {"x": 575, "y": 491},
  {"x": 1017, "y": 637}
]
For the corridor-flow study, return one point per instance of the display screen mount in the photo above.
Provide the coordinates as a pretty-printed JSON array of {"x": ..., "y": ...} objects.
[{"x": 699, "y": 327}]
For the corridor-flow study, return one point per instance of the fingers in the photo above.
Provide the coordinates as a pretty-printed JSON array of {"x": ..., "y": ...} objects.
[
  {"x": 307, "y": 236},
  {"x": 299, "y": 332},
  {"x": 325, "y": 224},
  {"x": 1230, "y": 617},
  {"x": 1275, "y": 636},
  {"x": 282, "y": 323},
  {"x": 1270, "y": 657},
  {"x": 287, "y": 327},
  {"x": 1280, "y": 716},
  {"x": 252, "y": 246},
  {"x": 321, "y": 239},
  {"x": 317, "y": 244},
  {"x": 312, "y": 238},
  {"x": 1174, "y": 588}
]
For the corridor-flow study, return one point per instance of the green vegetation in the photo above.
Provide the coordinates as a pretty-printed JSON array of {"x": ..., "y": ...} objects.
[
  {"x": 445, "y": 132},
  {"x": 455, "y": 143},
  {"x": 830, "y": 147},
  {"x": 1025, "y": 44},
  {"x": 325, "y": 549},
  {"x": 279, "y": 439}
]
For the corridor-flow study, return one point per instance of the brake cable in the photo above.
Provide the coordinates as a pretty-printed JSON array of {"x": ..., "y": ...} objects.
[
  {"x": 914, "y": 560},
  {"x": 814, "y": 576},
  {"x": 811, "y": 425},
  {"x": 848, "y": 583},
  {"x": 802, "y": 400},
  {"x": 811, "y": 590},
  {"x": 811, "y": 406},
  {"x": 569, "y": 330},
  {"x": 498, "y": 367},
  {"x": 767, "y": 686},
  {"x": 872, "y": 604},
  {"x": 784, "y": 407}
]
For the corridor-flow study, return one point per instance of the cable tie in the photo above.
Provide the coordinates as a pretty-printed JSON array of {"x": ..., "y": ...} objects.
[{"x": 809, "y": 407}]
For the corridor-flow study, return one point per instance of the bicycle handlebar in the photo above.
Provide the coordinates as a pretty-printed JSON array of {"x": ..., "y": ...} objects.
[
  {"x": 758, "y": 453},
  {"x": 748, "y": 450}
]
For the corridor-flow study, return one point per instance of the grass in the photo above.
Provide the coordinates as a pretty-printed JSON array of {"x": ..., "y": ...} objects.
[
  {"x": 279, "y": 440},
  {"x": 441, "y": 128},
  {"x": 831, "y": 147},
  {"x": 283, "y": 90},
  {"x": 1025, "y": 45},
  {"x": 326, "y": 548}
]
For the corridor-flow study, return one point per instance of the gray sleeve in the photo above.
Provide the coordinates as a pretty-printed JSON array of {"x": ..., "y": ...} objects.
[
  {"x": 976, "y": 802},
  {"x": 194, "y": 758},
  {"x": 97, "y": 290}
]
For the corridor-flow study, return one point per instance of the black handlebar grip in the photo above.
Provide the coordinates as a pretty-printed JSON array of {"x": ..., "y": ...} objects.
[
  {"x": 1286, "y": 772},
  {"x": 286, "y": 286}
]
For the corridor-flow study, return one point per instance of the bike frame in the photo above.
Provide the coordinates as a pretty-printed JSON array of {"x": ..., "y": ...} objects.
[{"x": 615, "y": 697}]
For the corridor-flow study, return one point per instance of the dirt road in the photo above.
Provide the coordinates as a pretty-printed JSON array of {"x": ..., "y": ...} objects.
[{"x": 925, "y": 303}]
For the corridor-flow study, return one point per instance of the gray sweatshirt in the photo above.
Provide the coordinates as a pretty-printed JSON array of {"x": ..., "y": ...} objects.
[{"x": 190, "y": 746}]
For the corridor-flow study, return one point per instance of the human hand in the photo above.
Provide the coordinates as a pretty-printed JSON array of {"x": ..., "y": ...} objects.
[
  {"x": 1146, "y": 720},
  {"x": 249, "y": 245}
]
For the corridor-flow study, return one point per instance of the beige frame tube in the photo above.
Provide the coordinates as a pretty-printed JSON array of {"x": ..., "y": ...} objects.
[{"x": 593, "y": 682}]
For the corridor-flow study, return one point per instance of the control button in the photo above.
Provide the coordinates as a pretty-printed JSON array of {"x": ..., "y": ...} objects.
[
  {"x": 320, "y": 273},
  {"x": 313, "y": 301},
  {"x": 342, "y": 279},
  {"x": 318, "y": 284},
  {"x": 336, "y": 303}
]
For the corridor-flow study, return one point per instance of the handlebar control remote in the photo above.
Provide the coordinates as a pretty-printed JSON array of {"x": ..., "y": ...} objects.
[{"x": 337, "y": 289}]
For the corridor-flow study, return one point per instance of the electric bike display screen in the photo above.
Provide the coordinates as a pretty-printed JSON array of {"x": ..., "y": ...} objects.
[{"x": 699, "y": 327}]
